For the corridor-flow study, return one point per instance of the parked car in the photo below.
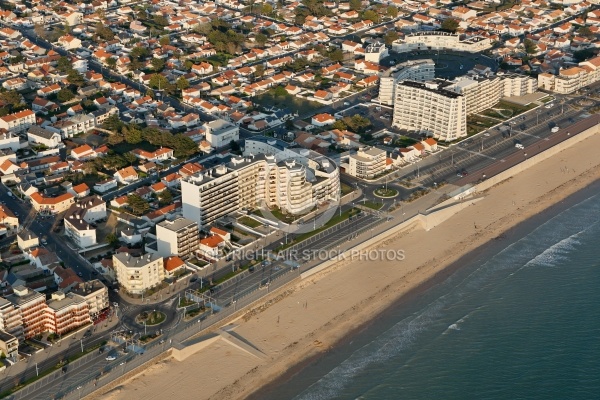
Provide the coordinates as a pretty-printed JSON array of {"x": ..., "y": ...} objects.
[
  {"x": 555, "y": 129},
  {"x": 111, "y": 358}
]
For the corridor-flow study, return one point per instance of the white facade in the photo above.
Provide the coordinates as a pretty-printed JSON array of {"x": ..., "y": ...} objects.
[
  {"x": 177, "y": 238},
  {"x": 375, "y": 52},
  {"x": 18, "y": 122},
  {"x": 430, "y": 109},
  {"x": 436, "y": 40},
  {"x": 367, "y": 163},
  {"x": 138, "y": 274},
  {"x": 293, "y": 181},
  {"x": 9, "y": 141},
  {"x": 220, "y": 133},
  {"x": 415, "y": 70}
]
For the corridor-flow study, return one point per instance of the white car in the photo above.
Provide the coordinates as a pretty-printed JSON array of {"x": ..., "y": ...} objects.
[
  {"x": 550, "y": 105},
  {"x": 519, "y": 146},
  {"x": 111, "y": 358},
  {"x": 555, "y": 129}
]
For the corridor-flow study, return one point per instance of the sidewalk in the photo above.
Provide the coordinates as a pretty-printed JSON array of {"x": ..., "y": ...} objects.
[{"x": 56, "y": 349}]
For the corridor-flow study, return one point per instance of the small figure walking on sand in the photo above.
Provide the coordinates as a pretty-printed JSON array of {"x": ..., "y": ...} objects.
[{"x": 278, "y": 319}]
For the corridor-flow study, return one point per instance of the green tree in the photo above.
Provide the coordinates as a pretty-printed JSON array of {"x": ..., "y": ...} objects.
[
  {"x": 64, "y": 64},
  {"x": 111, "y": 62},
  {"x": 530, "y": 46},
  {"x": 450, "y": 25},
  {"x": 266, "y": 9},
  {"x": 585, "y": 31},
  {"x": 234, "y": 146},
  {"x": 139, "y": 52},
  {"x": 280, "y": 91},
  {"x": 339, "y": 124},
  {"x": 261, "y": 39},
  {"x": 160, "y": 20},
  {"x": 188, "y": 64},
  {"x": 12, "y": 98},
  {"x": 132, "y": 134},
  {"x": 113, "y": 123},
  {"x": 130, "y": 157},
  {"x": 356, "y": 5},
  {"x": 112, "y": 239},
  {"x": 390, "y": 37},
  {"x": 66, "y": 28},
  {"x": 158, "y": 64},
  {"x": 64, "y": 95},
  {"x": 165, "y": 40},
  {"x": 165, "y": 197},
  {"x": 182, "y": 83},
  {"x": 75, "y": 78},
  {"x": 38, "y": 29},
  {"x": 259, "y": 70},
  {"x": 138, "y": 205},
  {"x": 336, "y": 55},
  {"x": 370, "y": 15},
  {"x": 158, "y": 81},
  {"x": 392, "y": 11}
]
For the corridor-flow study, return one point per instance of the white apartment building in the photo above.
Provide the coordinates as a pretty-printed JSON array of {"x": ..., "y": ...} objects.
[
  {"x": 291, "y": 179},
  {"x": 413, "y": 70},
  {"x": 9, "y": 140},
  {"x": 220, "y": 133},
  {"x": 39, "y": 135},
  {"x": 431, "y": 109},
  {"x": 436, "y": 40},
  {"x": 571, "y": 79},
  {"x": 78, "y": 230},
  {"x": 18, "y": 122},
  {"x": 375, "y": 52},
  {"x": 138, "y": 274},
  {"x": 179, "y": 237},
  {"x": 11, "y": 320},
  {"x": 367, "y": 163}
]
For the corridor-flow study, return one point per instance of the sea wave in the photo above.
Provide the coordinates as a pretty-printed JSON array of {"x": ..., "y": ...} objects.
[{"x": 546, "y": 245}]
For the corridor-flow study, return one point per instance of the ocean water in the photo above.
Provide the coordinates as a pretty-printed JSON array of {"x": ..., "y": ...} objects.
[{"x": 521, "y": 323}]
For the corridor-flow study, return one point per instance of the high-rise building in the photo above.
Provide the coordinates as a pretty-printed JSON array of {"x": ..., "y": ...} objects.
[
  {"x": 32, "y": 306},
  {"x": 294, "y": 180},
  {"x": 431, "y": 109},
  {"x": 412, "y": 70},
  {"x": 178, "y": 237}
]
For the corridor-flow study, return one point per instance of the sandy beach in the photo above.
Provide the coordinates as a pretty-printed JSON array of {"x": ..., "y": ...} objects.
[{"x": 310, "y": 317}]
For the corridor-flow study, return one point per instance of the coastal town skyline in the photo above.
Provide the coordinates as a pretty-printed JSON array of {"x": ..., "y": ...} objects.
[{"x": 184, "y": 182}]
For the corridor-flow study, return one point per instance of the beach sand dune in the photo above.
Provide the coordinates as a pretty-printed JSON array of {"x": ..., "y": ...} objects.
[{"x": 310, "y": 317}]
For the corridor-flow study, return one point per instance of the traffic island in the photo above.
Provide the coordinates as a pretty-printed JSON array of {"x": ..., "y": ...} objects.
[
  {"x": 385, "y": 193},
  {"x": 151, "y": 318}
]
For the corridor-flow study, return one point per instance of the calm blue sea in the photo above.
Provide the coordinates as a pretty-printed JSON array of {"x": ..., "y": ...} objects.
[{"x": 521, "y": 323}]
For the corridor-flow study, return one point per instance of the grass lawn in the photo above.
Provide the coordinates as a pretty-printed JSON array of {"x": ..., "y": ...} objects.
[
  {"x": 476, "y": 123},
  {"x": 404, "y": 141},
  {"x": 346, "y": 189},
  {"x": 509, "y": 109},
  {"x": 252, "y": 223},
  {"x": 383, "y": 192},
  {"x": 333, "y": 221},
  {"x": 372, "y": 204},
  {"x": 123, "y": 147},
  {"x": 287, "y": 218},
  {"x": 294, "y": 103}
]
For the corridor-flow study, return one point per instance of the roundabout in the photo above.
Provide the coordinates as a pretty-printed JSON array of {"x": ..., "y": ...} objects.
[
  {"x": 385, "y": 193},
  {"x": 150, "y": 318}
]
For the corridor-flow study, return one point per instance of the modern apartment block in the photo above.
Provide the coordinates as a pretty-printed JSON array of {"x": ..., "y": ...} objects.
[
  {"x": 571, "y": 79},
  {"x": 220, "y": 133},
  {"x": 482, "y": 93},
  {"x": 32, "y": 306},
  {"x": 80, "y": 216},
  {"x": 11, "y": 320},
  {"x": 367, "y": 163},
  {"x": 179, "y": 237},
  {"x": 95, "y": 293},
  {"x": 138, "y": 274},
  {"x": 413, "y": 70},
  {"x": 18, "y": 122},
  {"x": 431, "y": 109},
  {"x": 66, "y": 312},
  {"x": 375, "y": 52},
  {"x": 294, "y": 180},
  {"x": 9, "y": 345},
  {"x": 437, "y": 40}
]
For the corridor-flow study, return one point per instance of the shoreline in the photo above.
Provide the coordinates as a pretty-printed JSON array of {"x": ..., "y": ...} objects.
[
  {"x": 273, "y": 390},
  {"x": 304, "y": 336}
]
